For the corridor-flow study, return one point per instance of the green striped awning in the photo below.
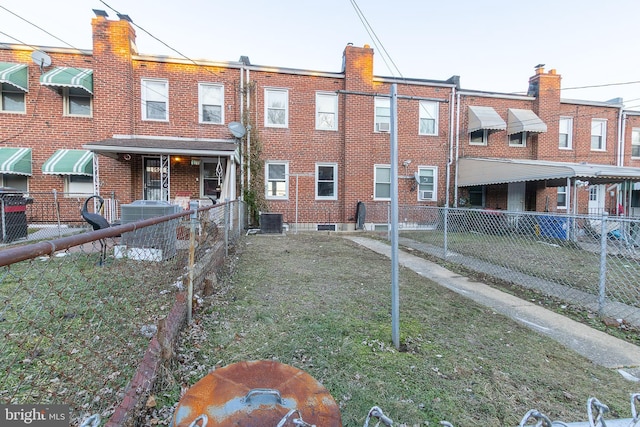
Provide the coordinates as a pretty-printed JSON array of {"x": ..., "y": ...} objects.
[
  {"x": 15, "y": 74},
  {"x": 81, "y": 78},
  {"x": 15, "y": 161},
  {"x": 69, "y": 162}
]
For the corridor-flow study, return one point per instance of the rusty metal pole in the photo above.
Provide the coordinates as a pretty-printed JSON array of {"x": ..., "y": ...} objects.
[{"x": 193, "y": 206}]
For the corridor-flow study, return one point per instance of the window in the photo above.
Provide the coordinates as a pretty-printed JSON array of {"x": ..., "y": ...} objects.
[
  {"x": 476, "y": 196},
  {"x": 326, "y": 181},
  {"x": 383, "y": 114},
  {"x": 19, "y": 182},
  {"x": 276, "y": 111},
  {"x": 12, "y": 99},
  {"x": 518, "y": 139},
  {"x": 566, "y": 131},
  {"x": 479, "y": 137},
  {"x": 598, "y": 134},
  {"x": 78, "y": 184},
  {"x": 212, "y": 177},
  {"x": 382, "y": 182},
  {"x": 77, "y": 102},
  {"x": 635, "y": 142},
  {"x": 211, "y": 103},
  {"x": 427, "y": 183},
  {"x": 428, "y": 118},
  {"x": 562, "y": 198},
  {"x": 276, "y": 177},
  {"x": 326, "y": 111},
  {"x": 155, "y": 100}
]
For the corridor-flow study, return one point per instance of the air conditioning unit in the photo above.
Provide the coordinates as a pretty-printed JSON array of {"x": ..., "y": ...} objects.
[
  {"x": 426, "y": 195},
  {"x": 383, "y": 127}
]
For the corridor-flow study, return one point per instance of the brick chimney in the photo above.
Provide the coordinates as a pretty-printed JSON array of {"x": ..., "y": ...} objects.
[
  {"x": 114, "y": 88},
  {"x": 545, "y": 87},
  {"x": 358, "y": 67}
]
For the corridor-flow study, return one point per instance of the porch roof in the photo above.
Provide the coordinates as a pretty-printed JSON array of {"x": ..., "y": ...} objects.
[
  {"x": 485, "y": 171},
  {"x": 167, "y": 146}
]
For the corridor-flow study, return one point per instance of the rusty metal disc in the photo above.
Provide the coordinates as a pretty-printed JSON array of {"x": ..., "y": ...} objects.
[{"x": 256, "y": 394}]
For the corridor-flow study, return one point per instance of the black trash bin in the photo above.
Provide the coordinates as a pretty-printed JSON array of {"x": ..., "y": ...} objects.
[{"x": 13, "y": 207}]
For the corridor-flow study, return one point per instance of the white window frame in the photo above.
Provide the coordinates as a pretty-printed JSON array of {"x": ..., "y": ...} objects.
[
  {"x": 428, "y": 110},
  {"x": 635, "y": 142},
  {"x": 485, "y": 137},
  {"x": 377, "y": 183},
  {"x": 269, "y": 181},
  {"x": 269, "y": 107},
  {"x": 565, "y": 127},
  {"x": 19, "y": 182},
  {"x": 75, "y": 188},
  {"x": 7, "y": 90},
  {"x": 562, "y": 191},
  {"x": 523, "y": 139},
  {"x": 154, "y": 94},
  {"x": 215, "y": 98},
  {"x": 382, "y": 114},
  {"x": 599, "y": 129},
  {"x": 424, "y": 187},
  {"x": 333, "y": 182},
  {"x": 326, "y": 111},
  {"x": 68, "y": 94},
  {"x": 210, "y": 162}
]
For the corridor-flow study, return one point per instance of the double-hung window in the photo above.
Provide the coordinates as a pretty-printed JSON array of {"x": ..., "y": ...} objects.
[
  {"x": 326, "y": 181},
  {"x": 428, "y": 118},
  {"x": 77, "y": 102},
  {"x": 518, "y": 139},
  {"x": 382, "y": 182},
  {"x": 383, "y": 114},
  {"x": 427, "y": 178},
  {"x": 562, "y": 198},
  {"x": 479, "y": 137},
  {"x": 635, "y": 142},
  {"x": 211, "y": 103},
  {"x": 326, "y": 111},
  {"x": 598, "y": 134},
  {"x": 565, "y": 126},
  {"x": 78, "y": 184},
  {"x": 155, "y": 99},
  {"x": 276, "y": 179},
  {"x": 276, "y": 108},
  {"x": 13, "y": 99}
]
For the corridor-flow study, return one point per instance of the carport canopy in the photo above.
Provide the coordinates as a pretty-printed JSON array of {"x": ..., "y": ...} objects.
[{"x": 485, "y": 171}]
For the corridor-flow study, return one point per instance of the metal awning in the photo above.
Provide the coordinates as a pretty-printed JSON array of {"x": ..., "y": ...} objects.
[
  {"x": 15, "y": 161},
  {"x": 478, "y": 171},
  {"x": 15, "y": 74},
  {"x": 485, "y": 118},
  {"x": 165, "y": 146},
  {"x": 524, "y": 121},
  {"x": 69, "y": 162},
  {"x": 81, "y": 78}
]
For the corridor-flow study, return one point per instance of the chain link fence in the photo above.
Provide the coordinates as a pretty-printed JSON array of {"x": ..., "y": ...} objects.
[
  {"x": 591, "y": 262},
  {"x": 74, "y": 327}
]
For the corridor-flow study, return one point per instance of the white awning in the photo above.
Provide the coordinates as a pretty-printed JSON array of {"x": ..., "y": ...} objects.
[
  {"x": 484, "y": 118},
  {"x": 478, "y": 171},
  {"x": 524, "y": 121}
]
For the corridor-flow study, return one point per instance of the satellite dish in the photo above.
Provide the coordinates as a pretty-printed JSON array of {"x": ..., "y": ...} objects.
[
  {"x": 416, "y": 175},
  {"x": 41, "y": 59},
  {"x": 237, "y": 129}
]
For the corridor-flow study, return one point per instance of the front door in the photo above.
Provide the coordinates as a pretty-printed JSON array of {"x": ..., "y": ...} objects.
[
  {"x": 515, "y": 196},
  {"x": 152, "y": 178},
  {"x": 596, "y": 199}
]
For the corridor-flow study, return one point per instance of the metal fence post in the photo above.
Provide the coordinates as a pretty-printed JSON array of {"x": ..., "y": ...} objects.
[
  {"x": 603, "y": 264},
  {"x": 226, "y": 229},
  {"x": 193, "y": 206},
  {"x": 445, "y": 229}
]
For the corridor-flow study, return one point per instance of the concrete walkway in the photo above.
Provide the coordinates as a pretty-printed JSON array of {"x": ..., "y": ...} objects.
[{"x": 599, "y": 347}]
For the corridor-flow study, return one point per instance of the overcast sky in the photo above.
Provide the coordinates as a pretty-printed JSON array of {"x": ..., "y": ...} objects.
[{"x": 493, "y": 45}]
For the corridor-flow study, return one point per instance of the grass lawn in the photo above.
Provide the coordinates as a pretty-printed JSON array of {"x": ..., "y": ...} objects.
[{"x": 322, "y": 304}]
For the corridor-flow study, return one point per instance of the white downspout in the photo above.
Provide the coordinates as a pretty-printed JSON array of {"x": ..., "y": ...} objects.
[
  {"x": 245, "y": 125},
  {"x": 450, "y": 160},
  {"x": 457, "y": 155}
]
